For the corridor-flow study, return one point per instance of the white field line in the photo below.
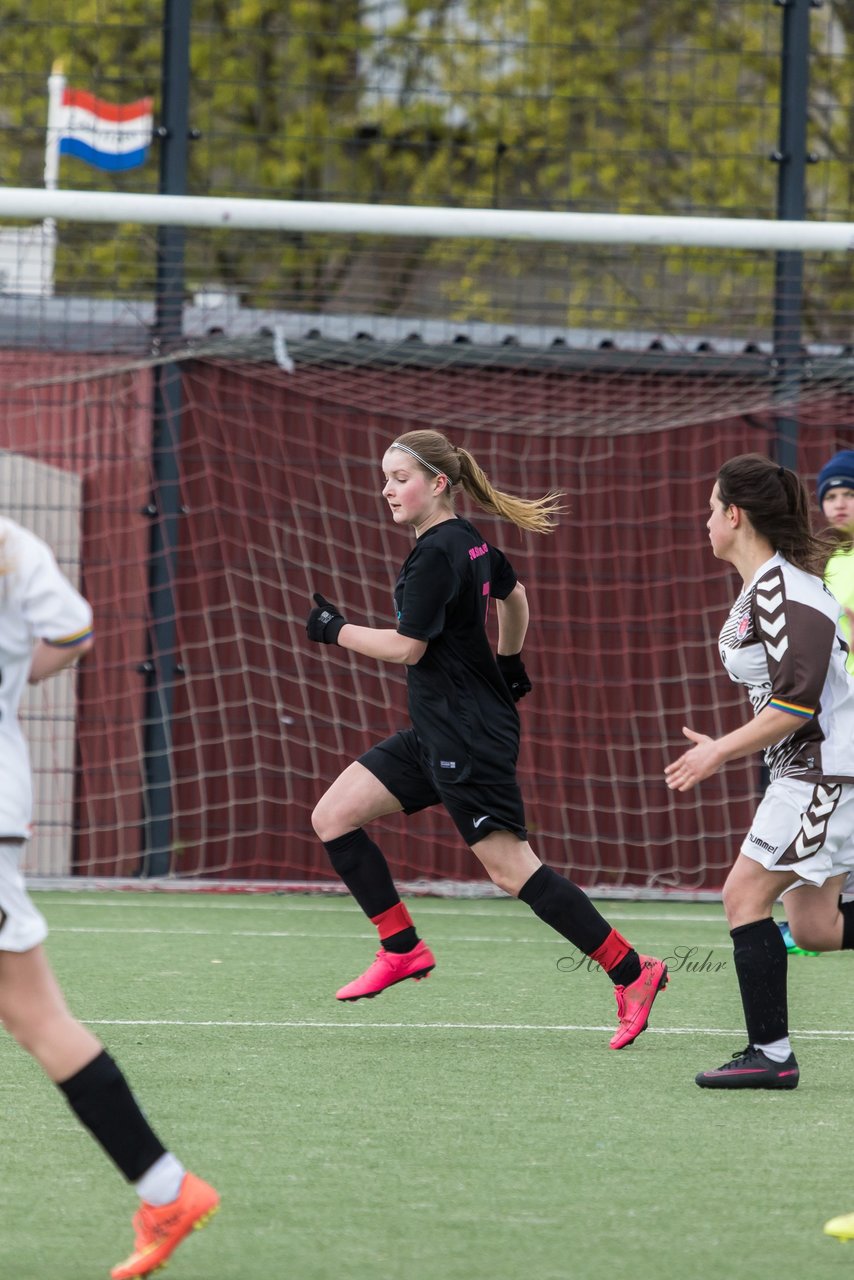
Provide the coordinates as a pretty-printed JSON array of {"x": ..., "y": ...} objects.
[
  {"x": 313, "y": 934},
  {"x": 422, "y": 906},
  {"x": 302, "y": 1024}
]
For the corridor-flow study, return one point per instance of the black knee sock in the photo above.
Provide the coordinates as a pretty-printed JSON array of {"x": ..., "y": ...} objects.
[
  {"x": 101, "y": 1099},
  {"x": 761, "y": 963},
  {"x": 569, "y": 911},
  {"x": 361, "y": 865},
  {"x": 847, "y": 911}
]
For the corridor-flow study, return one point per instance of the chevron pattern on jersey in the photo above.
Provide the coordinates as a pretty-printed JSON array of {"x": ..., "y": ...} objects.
[
  {"x": 771, "y": 615},
  {"x": 814, "y": 822}
]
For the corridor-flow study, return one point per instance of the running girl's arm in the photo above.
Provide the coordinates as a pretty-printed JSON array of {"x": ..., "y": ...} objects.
[
  {"x": 707, "y": 755},
  {"x": 58, "y": 617},
  {"x": 48, "y": 659},
  {"x": 513, "y": 616},
  {"x": 382, "y": 643},
  {"x": 327, "y": 625}
]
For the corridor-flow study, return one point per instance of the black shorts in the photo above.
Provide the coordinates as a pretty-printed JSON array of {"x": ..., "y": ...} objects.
[{"x": 477, "y": 808}]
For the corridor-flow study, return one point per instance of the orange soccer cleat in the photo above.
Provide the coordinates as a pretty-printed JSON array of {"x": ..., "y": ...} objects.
[
  {"x": 387, "y": 969},
  {"x": 635, "y": 1001},
  {"x": 161, "y": 1228}
]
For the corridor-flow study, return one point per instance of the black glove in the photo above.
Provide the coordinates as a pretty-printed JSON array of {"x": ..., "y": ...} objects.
[
  {"x": 324, "y": 622},
  {"x": 515, "y": 676}
]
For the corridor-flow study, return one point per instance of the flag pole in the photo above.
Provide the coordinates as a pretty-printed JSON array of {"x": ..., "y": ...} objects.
[{"x": 55, "y": 85}]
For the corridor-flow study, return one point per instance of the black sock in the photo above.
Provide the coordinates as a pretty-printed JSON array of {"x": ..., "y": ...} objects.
[
  {"x": 761, "y": 963},
  {"x": 627, "y": 971},
  {"x": 569, "y": 911},
  {"x": 361, "y": 865},
  {"x": 101, "y": 1099},
  {"x": 400, "y": 942},
  {"x": 847, "y": 912}
]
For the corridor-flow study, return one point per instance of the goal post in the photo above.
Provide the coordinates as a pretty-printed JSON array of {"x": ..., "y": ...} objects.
[
  {"x": 347, "y": 218},
  {"x": 290, "y": 396}
]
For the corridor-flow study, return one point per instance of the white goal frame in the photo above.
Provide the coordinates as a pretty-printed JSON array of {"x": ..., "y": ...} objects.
[{"x": 426, "y": 220}]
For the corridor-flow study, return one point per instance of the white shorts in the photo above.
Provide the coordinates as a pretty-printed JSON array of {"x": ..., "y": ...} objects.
[
  {"x": 22, "y": 926},
  {"x": 804, "y": 827}
]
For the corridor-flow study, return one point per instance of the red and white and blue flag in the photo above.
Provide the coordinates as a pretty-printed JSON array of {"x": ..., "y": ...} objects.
[{"x": 104, "y": 134}]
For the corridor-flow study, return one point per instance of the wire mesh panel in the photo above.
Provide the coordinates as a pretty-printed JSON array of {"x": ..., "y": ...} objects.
[{"x": 280, "y": 480}]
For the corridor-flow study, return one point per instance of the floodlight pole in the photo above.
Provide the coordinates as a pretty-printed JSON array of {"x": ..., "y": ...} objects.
[
  {"x": 792, "y": 158},
  {"x": 162, "y": 665}
]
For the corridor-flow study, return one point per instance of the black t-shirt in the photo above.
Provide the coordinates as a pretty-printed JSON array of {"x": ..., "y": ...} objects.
[{"x": 461, "y": 708}]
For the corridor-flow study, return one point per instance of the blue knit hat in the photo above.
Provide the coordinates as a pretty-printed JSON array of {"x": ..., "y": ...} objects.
[{"x": 838, "y": 472}]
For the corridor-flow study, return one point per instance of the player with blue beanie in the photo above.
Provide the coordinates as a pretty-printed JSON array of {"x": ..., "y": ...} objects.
[
  {"x": 835, "y": 491},
  {"x": 835, "y": 474}
]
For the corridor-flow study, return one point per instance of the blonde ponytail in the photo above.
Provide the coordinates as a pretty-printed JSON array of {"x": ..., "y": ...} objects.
[{"x": 438, "y": 456}]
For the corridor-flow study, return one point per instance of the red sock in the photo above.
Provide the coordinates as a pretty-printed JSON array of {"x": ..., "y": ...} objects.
[
  {"x": 395, "y": 927},
  {"x": 612, "y": 951}
]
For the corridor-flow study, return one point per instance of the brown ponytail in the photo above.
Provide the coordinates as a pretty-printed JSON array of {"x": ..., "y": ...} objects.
[{"x": 777, "y": 504}]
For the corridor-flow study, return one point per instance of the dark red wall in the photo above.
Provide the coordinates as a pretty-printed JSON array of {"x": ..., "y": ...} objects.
[{"x": 626, "y": 601}]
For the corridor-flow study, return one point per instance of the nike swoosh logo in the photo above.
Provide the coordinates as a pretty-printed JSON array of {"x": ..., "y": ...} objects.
[{"x": 477, "y": 821}]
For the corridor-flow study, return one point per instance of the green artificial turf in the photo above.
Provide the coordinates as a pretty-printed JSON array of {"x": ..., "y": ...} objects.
[{"x": 474, "y": 1126}]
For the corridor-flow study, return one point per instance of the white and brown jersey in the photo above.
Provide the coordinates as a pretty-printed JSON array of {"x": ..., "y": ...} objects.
[
  {"x": 783, "y": 643},
  {"x": 36, "y": 602}
]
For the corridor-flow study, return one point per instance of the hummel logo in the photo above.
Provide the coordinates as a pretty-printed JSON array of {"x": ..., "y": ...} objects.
[{"x": 477, "y": 821}]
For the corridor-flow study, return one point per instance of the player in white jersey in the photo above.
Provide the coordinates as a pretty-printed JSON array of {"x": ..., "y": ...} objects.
[
  {"x": 783, "y": 643},
  {"x": 45, "y": 626}
]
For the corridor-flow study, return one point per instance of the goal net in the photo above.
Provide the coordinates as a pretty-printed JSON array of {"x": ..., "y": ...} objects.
[{"x": 622, "y": 377}]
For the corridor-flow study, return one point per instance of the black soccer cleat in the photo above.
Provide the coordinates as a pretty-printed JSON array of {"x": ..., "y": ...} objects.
[{"x": 751, "y": 1069}]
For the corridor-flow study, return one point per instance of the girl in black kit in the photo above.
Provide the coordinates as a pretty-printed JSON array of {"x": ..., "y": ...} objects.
[{"x": 462, "y": 749}]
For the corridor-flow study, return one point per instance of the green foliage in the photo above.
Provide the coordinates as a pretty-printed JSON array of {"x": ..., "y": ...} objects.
[{"x": 548, "y": 104}]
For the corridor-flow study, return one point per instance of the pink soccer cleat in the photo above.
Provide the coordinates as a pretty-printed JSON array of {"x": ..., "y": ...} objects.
[
  {"x": 387, "y": 969},
  {"x": 635, "y": 1001}
]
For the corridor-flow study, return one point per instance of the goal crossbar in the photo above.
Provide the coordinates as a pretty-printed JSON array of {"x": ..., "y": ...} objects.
[{"x": 423, "y": 220}]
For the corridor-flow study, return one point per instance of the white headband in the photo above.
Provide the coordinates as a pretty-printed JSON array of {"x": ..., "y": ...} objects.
[{"x": 406, "y": 449}]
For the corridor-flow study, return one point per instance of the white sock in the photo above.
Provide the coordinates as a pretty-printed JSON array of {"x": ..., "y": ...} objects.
[
  {"x": 777, "y": 1050},
  {"x": 162, "y": 1182}
]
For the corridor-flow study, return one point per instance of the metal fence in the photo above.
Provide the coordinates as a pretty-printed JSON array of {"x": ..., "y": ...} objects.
[{"x": 547, "y": 104}]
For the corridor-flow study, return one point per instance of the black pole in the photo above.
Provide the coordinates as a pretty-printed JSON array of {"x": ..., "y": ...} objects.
[
  {"x": 162, "y": 666},
  {"x": 791, "y": 156}
]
